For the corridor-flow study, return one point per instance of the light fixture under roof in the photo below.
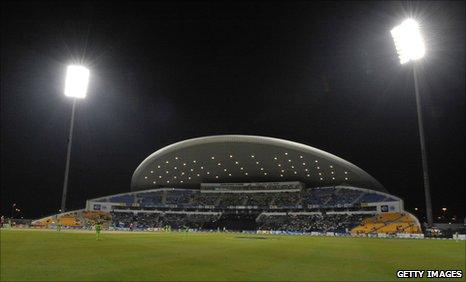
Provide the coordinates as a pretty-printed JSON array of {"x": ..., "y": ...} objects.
[
  {"x": 252, "y": 156},
  {"x": 167, "y": 162},
  {"x": 231, "y": 156},
  {"x": 151, "y": 171},
  {"x": 212, "y": 158},
  {"x": 145, "y": 177},
  {"x": 176, "y": 158}
]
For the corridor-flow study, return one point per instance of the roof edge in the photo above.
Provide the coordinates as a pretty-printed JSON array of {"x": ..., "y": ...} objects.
[{"x": 249, "y": 139}]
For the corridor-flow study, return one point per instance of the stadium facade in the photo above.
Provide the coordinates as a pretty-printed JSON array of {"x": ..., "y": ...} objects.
[{"x": 238, "y": 182}]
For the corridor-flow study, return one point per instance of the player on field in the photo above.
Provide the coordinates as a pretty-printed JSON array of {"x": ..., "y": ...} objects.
[{"x": 98, "y": 228}]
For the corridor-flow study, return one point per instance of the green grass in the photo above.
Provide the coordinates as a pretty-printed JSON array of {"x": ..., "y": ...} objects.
[{"x": 78, "y": 256}]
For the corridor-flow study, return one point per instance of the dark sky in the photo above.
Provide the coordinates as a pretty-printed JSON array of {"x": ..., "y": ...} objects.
[{"x": 323, "y": 74}]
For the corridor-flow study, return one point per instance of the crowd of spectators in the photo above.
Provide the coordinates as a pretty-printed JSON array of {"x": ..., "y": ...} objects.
[
  {"x": 339, "y": 223},
  {"x": 322, "y": 197},
  {"x": 150, "y": 199},
  {"x": 141, "y": 220},
  {"x": 294, "y": 222},
  {"x": 287, "y": 199},
  {"x": 205, "y": 199},
  {"x": 179, "y": 197}
]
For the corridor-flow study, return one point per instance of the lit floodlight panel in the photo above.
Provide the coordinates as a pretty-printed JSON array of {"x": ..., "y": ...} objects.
[
  {"x": 408, "y": 41},
  {"x": 77, "y": 78}
]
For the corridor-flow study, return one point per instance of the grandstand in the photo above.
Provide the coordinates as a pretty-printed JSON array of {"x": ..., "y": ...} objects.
[
  {"x": 237, "y": 182},
  {"x": 389, "y": 223}
]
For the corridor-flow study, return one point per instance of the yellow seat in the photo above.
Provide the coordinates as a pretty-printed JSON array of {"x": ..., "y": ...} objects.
[
  {"x": 392, "y": 222},
  {"x": 69, "y": 220}
]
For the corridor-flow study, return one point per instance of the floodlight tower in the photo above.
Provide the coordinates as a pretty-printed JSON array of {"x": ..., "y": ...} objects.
[
  {"x": 410, "y": 47},
  {"x": 77, "y": 79}
]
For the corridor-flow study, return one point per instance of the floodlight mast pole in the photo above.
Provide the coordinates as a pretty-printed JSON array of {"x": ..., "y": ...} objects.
[
  {"x": 68, "y": 155},
  {"x": 425, "y": 169}
]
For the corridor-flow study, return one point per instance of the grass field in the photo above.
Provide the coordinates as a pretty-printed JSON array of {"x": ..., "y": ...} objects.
[{"x": 78, "y": 256}]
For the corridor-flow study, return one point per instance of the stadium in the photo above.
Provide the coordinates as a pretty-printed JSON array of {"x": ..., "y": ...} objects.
[
  {"x": 247, "y": 183},
  {"x": 233, "y": 208},
  {"x": 232, "y": 141}
]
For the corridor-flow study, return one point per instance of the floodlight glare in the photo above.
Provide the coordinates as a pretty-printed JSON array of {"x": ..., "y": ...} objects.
[
  {"x": 77, "y": 78},
  {"x": 408, "y": 41}
]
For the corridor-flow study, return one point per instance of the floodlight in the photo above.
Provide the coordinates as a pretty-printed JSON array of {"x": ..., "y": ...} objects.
[
  {"x": 410, "y": 47},
  {"x": 77, "y": 78},
  {"x": 408, "y": 41}
]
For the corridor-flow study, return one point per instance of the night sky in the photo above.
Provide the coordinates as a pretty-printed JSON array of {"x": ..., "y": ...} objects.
[{"x": 323, "y": 74}]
